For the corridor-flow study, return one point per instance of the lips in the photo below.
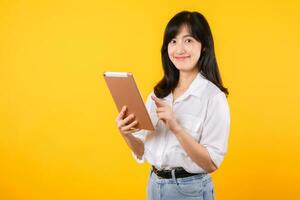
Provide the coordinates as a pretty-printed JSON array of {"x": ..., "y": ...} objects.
[{"x": 181, "y": 57}]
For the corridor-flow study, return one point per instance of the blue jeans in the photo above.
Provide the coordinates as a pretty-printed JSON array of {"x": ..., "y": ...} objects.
[{"x": 198, "y": 187}]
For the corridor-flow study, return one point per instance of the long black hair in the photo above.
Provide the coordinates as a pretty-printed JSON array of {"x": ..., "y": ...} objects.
[{"x": 207, "y": 63}]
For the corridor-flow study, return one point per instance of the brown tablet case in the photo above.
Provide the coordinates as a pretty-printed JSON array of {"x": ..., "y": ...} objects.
[{"x": 124, "y": 91}]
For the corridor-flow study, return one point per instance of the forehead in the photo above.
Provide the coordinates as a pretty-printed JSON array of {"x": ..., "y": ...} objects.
[{"x": 184, "y": 31}]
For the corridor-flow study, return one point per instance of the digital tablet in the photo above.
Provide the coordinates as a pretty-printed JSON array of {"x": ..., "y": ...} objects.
[{"x": 124, "y": 91}]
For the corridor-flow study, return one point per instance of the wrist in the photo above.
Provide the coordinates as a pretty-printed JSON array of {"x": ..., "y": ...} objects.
[
  {"x": 178, "y": 129},
  {"x": 127, "y": 136}
]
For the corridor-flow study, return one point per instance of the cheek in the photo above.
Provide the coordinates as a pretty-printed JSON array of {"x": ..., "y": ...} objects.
[
  {"x": 170, "y": 51},
  {"x": 197, "y": 53}
]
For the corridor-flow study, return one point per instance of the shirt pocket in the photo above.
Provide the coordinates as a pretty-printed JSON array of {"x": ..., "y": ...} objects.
[{"x": 191, "y": 124}]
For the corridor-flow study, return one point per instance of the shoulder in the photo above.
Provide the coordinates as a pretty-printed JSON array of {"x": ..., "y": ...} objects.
[
  {"x": 216, "y": 99},
  {"x": 211, "y": 91}
]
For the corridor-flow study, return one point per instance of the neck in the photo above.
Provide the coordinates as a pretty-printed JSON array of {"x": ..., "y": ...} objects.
[{"x": 186, "y": 78}]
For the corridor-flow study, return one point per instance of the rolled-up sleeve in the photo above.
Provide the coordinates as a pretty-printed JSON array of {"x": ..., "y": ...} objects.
[
  {"x": 142, "y": 134},
  {"x": 216, "y": 127}
]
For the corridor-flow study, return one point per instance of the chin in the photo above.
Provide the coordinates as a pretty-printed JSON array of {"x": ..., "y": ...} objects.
[{"x": 185, "y": 69}]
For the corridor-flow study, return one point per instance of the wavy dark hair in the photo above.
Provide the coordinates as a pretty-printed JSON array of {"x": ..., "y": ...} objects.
[{"x": 207, "y": 63}]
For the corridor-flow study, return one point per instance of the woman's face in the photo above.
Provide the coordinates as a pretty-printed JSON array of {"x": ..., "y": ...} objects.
[{"x": 184, "y": 51}]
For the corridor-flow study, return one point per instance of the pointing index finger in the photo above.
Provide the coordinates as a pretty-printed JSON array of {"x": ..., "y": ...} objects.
[{"x": 158, "y": 101}]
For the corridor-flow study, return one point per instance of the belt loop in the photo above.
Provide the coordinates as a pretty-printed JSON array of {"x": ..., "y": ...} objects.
[{"x": 173, "y": 175}]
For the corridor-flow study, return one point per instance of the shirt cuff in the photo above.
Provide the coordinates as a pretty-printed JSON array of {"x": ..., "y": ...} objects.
[
  {"x": 140, "y": 161},
  {"x": 216, "y": 157}
]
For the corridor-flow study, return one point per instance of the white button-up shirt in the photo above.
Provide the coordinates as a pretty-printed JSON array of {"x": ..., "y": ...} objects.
[{"x": 202, "y": 110}]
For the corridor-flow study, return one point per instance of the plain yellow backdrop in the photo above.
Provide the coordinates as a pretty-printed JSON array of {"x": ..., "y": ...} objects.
[{"x": 58, "y": 138}]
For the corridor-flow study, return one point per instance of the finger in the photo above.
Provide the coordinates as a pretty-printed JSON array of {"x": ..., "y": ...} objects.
[
  {"x": 160, "y": 109},
  {"x": 158, "y": 101},
  {"x": 121, "y": 114},
  {"x": 132, "y": 131},
  {"x": 160, "y": 113},
  {"x": 126, "y": 120},
  {"x": 159, "y": 104},
  {"x": 128, "y": 127},
  {"x": 160, "y": 116}
]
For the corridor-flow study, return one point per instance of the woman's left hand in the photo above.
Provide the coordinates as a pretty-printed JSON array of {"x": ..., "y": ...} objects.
[{"x": 165, "y": 113}]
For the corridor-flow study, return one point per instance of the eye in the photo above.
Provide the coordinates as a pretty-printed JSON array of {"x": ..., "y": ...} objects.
[
  {"x": 188, "y": 40},
  {"x": 173, "y": 41}
]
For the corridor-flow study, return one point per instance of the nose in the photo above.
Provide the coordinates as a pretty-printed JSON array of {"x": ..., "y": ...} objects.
[{"x": 179, "y": 48}]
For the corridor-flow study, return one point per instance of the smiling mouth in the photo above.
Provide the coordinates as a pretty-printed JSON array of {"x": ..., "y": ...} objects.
[{"x": 181, "y": 58}]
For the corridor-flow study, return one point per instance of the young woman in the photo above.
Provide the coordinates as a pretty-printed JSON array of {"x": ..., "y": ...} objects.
[{"x": 189, "y": 110}]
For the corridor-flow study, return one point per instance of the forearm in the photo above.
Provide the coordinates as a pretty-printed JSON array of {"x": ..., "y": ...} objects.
[
  {"x": 135, "y": 144},
  {"x": 195, "y": 151}
]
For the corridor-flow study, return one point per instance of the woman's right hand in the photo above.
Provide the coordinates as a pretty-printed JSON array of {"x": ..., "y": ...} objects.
[{"x": 126, "y": 126}]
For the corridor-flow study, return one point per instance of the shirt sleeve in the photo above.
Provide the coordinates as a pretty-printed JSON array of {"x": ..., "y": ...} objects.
[
  {"x": 142, "y": 134},
  {"x": 216, "y": 126}
]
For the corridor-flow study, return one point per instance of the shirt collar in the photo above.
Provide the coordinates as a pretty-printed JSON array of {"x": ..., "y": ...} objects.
[{"x": 193, "y": 90}]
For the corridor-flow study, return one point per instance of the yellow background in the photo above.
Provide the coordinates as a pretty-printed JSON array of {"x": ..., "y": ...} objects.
[{"x": 58, "y": 138}]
